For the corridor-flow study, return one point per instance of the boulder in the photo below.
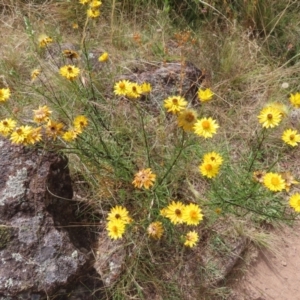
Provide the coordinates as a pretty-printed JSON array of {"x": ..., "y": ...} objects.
[{"x": 37, "y": 255}]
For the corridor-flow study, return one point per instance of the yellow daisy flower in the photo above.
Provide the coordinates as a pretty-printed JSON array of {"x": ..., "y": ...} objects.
[
  {"x": 205, "y": 95},
  {"x": 44, "y": 40},
  {"x": 295, "y": 100},
  {"x": 134, "y": 90},
  {"x": 95, "y": 4},
  {"x": 213, "y": 158},
  {"x": 270, "y": 117},
  {"x": 54, "y": 129},
  {"x": 19, "y": 136},
  {"x": 187, "y": 119},
  {"x": 84, "y": 1},
  {"x": 93, "y": 13},
  {"x": 295, "y": 202},
  {"x": 192, "y": 214},
  {"x": 33, "y": 136},
  {"x": 35, "y": 73},
  {"x": 144, "y": 178},
  {"x": 206, "y": 127},
  {"x": 80, "y": 122},
  {"x": 209, "y": 169},
  {"x": 146, "y": 88},
  {"x": 121, "y": 87},
  {"x": 174, "y": 212},
  {"x": 119, "y": 213},
  {"x": 70, "y": 135},
  {"x": 70, "y": 72},
  {"x": 41, "y": 114},
  {"x": 279, "y": 106},
  {"x": 4, "y": 94},
  {"x": 175, "y": 104},
  {"x": 155, "y": 230},
  {"x": 274, "y": 182},
  {"x": 7, "y": 126},
  {"x": 291, "y": 137},
  {"x": 103, "y": 57},
  {"x": 191, "y": 238},
  {"x": 116, "y": 229}
]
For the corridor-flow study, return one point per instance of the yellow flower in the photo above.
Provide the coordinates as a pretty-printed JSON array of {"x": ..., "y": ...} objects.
[
  {"x": 270, "y": 117},
  {"x": 80, "y": 122},
  {"x": 295, "y": 100},
  {"x": 71, "y": 54},
  {"x": 213, "y": 158},
  {"x": 192, "y": 214},
  {"x": 274, "y": 182},
  {"x": 119, "y": 213},
  {"x": 54, "y": 129},
  {"x": 41, "y": 114},
  {"x": 209, "y": 169},
  {"x": 258, "y": 176},
  {"x": 187, "y": 119},
  {"x": 191, "y": 238},
  {"x": 33, "y": 136},
  {"x": 19, "y": 136},
  {"x": 295, "y": 202},
  {"x": 34, "y": 74},
  {"x": 146, "y": 88},
  {"x": 95, "y": 4},
  {"x": 4, "y": 94},
  {"x": 70, "y": 72},
  {"x": 103, "y": 57},
  {"x": 134, "y": 90},
  {"x": 84, "y": 1},
  {"x": 93, "y": 12},
  {"x": 121, "y": 87},
  {"x": 75, "y": 26},
  {"x": 144, "y": 178},
  {"x": 70, "y": 135},
  {"x": 7, "y": 126},
  {"x": 206, "y": 127},
  {"x": 44, "y": 40},
  {"x": 116, "y": 229},
  {"x": 174, "y": 212},
  {"x": 279, "y": 106},
  {"x": 205, "y": 95},
  {"x": 155, "y": 230},
  {"x": 291, "y": 137},
  {"x": 175, "y": 104},
  {"x": 289, "y": 180}
]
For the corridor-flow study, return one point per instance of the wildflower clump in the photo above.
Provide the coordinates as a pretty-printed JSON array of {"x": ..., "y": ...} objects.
[
  {"x": 211, "y": 164},
  {"x": 131, "y": 90},
  {"x": 144, "y": 178},
  {"x": 117, "y": 218}
]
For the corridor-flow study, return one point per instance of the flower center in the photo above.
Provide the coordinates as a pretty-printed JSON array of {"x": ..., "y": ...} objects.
[
  {"x": 70, "y": 69},
  {"x": 208, "y": 167},
  {"x": 275, "y": 181},
  {"x": 134, "y": 89},
  {"x": 292, "y": 137},
  {"x": 175, "y": 101},
  {"x": 178, "y": 212},
  {"x": 205, "y": 125},
  {"x": 269, "y": 116},
  {"x": 193, "y": 214},
  {"x": 19, "y": 131},
  {"x": 5, "y": 123},
  {"x": 117, "y": 216},
  {"x": 190, "y": 118},
  {"x": 122, "y": 85}
]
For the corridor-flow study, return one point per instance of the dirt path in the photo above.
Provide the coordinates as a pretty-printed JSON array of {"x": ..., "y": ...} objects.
[{"x": 276, "y": 274}]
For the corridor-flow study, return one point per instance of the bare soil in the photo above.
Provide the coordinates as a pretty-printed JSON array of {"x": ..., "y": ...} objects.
[{"x": 275, "y": 274}]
